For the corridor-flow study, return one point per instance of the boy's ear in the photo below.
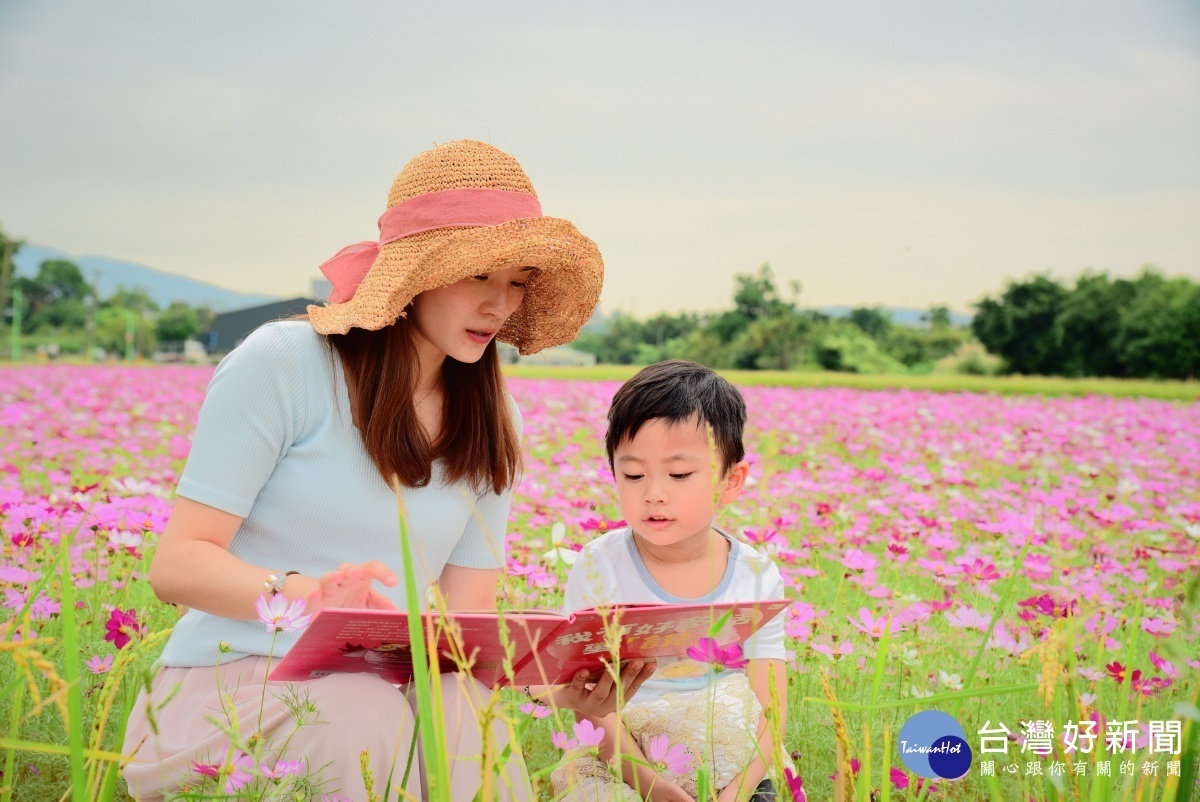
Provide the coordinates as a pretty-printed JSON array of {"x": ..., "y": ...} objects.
[{"x": 735, "y": 482}]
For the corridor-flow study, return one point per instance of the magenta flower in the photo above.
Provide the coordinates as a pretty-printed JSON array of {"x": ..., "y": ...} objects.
[
  {"x": 560, "y": 740},
  {"x": 207, "y": 769},
  {"x": 99, "y": 665},
  {"x": 665, "y": 756},
  {"x": 719, "y": 658},
  {"x": 795, "y": 785},
  {"x": 981, "y": 571},
  {"x": 281, "y": 616},
  {"x": 898, "y": 778},
  {"x": 121, "y": 626},
  {"x": 588, "y": 733},
  {"x": 534, "y": 709}
]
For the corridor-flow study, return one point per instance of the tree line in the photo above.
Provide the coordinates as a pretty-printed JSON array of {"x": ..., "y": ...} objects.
[
  {"x": 58, "y": 307},
  {"x": 1093, "y": 326},
  {"x": 1145, "y": 327},
  {"x": 765, "y": 330}
]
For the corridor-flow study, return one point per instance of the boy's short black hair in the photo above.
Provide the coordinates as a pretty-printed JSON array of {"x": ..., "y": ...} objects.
[{"x": 678, "y": 391}]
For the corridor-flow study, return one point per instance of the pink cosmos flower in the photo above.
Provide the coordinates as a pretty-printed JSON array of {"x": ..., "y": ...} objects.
[
  {"x": 99, "y": 665},
  {"x": 279, "y": 615},
  {"x": 898, "y": 778},
  {"x": 560, "y": 740},
  {"x": 588, "y": 733},
  {"x": 968, "y": 618},
  {"x": 840, "y": 650},
  {"x": 673, "y": 758},
  {"x": 282, "y": 768},
  {"x": 1163, "y": 665},
  {"x": 1148, "y": 686},
  {"x": 1116, "y": 671},
  {"x": 875, "y": 627},
  {"x": 534, "y": 709},
  {"x": 858, "y": 560},
  {"x": 1158, "y": 627},
  {"x": 719, "y": 658},
  {"x": 121, "y": 626},
  {"x": 206, "y": 769},
  {"x": 981, "y": 571},
  {"x": 601, "y": 525},
  {"x": 239, "y": 772}
]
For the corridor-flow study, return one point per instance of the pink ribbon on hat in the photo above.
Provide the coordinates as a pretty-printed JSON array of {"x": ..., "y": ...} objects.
[{"x": 446, "y": 208}]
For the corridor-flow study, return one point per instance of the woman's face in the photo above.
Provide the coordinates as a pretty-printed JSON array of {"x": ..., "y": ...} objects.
[{"x": 460, "y": 319}]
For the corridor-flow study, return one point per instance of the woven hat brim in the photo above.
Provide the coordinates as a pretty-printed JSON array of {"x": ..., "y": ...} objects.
[{"x": 559, "y": 299}]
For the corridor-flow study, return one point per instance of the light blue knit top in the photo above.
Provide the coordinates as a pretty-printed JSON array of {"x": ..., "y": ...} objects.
[{"x": 276, "y": 446}]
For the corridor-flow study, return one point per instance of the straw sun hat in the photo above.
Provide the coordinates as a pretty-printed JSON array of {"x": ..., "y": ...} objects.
[{"x": 459, "y": 210}]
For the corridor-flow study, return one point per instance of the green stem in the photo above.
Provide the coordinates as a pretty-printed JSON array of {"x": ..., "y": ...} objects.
[{"x": 74, "y": 724}]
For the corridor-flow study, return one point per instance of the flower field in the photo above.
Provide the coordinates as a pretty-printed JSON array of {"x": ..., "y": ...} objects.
[{"x": 1029, "y": 565}]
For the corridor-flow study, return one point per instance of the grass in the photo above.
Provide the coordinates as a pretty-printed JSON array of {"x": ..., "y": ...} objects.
[{"x": 945, "y": 383}]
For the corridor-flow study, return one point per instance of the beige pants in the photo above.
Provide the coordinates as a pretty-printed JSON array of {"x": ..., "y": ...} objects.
[
  {"x": 355, "y": 711},
  {"x": 717, "y": 725}
]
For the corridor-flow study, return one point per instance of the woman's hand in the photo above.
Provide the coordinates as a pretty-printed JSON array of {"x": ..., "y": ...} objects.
[
  {"x": 600, "y": 699},
  {"x": 350, "y": 586},
  {"x": 667, "y": 791}
]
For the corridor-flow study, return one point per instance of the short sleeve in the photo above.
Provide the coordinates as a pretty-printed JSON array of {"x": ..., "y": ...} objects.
[
  {"x": 587, "y": 584},
  {"x": 253, "y": 411},
  {"x": 483, "y": 543},
  {"x": 768, "y": 643}
]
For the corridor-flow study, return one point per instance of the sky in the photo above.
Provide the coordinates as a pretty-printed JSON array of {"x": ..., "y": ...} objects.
[{"x": 904, "y": 154}]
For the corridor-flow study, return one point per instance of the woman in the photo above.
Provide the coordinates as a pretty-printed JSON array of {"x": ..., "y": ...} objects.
[{"x": 308, "y": 430}]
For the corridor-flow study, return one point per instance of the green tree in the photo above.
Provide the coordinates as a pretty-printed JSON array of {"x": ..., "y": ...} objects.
[
  {"x": 1089, "y": 324},
  {"x": 938, "y": 317},
  {"x": 1020, "y": 326},
  {"x": 55, "y": 297},
  {"x": 1160, "y": 332},
  {"x": 179, "y": 321},
  {"x": 875, "y": 322}
]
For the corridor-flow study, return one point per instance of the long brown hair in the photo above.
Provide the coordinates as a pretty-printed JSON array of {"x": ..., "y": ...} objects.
[{"x": 478, "y": 442}]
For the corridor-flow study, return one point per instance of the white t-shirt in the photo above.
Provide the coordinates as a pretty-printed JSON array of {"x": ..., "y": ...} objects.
[{"x": 609, "y": 570}]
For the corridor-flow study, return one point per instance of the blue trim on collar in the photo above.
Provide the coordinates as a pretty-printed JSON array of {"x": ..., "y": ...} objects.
[{"x": 657, "y": 589}]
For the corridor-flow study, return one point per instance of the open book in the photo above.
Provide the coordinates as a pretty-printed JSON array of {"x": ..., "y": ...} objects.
[{"x": 546, "y": 648}]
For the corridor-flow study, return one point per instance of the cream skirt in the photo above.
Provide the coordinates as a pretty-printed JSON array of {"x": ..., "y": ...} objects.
[{"x": 355, "y": 712}]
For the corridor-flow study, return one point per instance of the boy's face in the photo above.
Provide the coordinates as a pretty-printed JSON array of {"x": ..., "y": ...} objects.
[{"x": 670, "y": 483}]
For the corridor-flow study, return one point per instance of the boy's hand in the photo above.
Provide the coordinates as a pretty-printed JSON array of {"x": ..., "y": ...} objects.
[
  {"x": 599, "y": 699},
  {"x": 666, "y": 791},
  {"x": 350, "y": 586}
]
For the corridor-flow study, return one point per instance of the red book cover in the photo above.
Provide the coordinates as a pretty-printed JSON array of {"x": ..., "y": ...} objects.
[{"x": 543, "y": 648}]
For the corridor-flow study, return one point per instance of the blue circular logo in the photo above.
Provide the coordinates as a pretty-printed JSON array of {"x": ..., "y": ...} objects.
[{"x": 933, "y": 745}]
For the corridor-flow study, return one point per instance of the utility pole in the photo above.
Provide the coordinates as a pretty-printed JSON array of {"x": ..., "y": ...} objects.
[
  {"x": 5, "y": 267},
  {"x": 130, "y": 331},
  {"x": 18, "y": 302},
  {"x": 91, "y": 318}
]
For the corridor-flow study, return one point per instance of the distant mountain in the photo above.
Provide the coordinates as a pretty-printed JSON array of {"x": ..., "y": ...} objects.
[
  {"x": 901, "y": 316},
  {"x": 163, "y": 287}
]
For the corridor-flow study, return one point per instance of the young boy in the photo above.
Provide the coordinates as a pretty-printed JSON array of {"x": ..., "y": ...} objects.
[{"x": 675, "y": 448}]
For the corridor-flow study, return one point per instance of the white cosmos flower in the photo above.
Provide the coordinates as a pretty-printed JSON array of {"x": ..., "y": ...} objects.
[{"x": 557, "y": 533}]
